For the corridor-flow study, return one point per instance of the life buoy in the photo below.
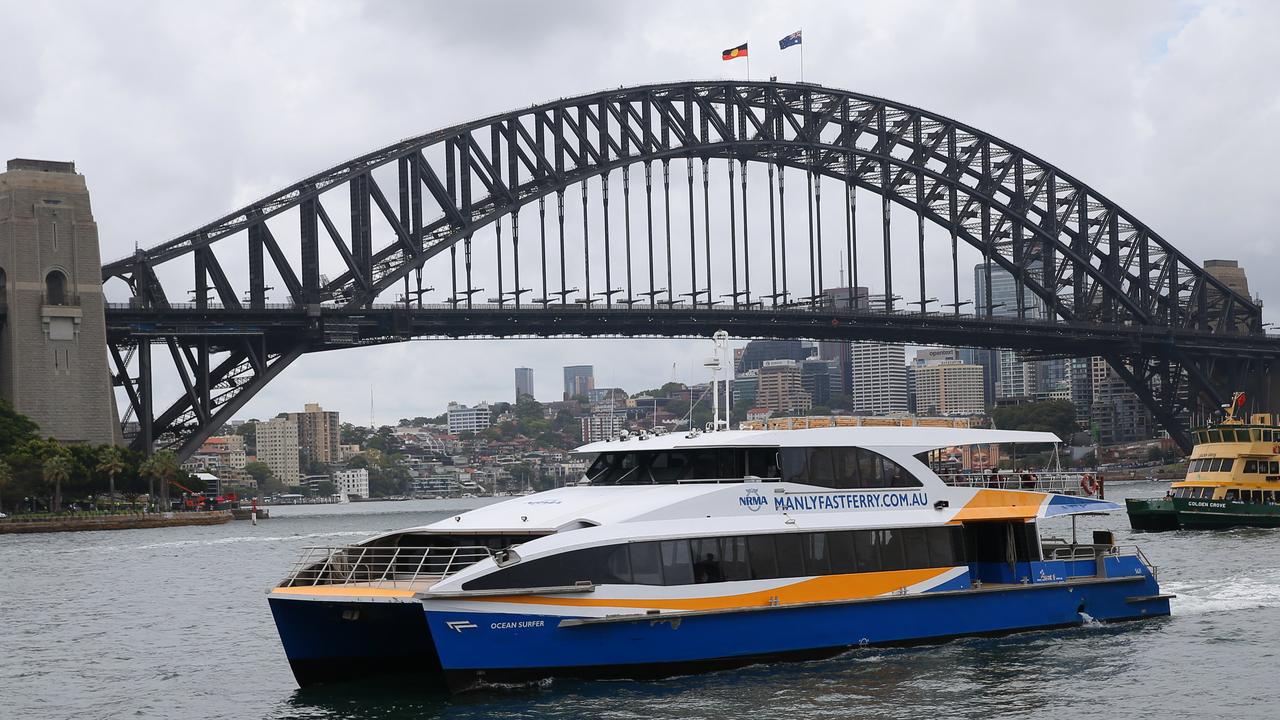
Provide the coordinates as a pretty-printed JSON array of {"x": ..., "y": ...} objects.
[{"x": 1088, "y": 485}]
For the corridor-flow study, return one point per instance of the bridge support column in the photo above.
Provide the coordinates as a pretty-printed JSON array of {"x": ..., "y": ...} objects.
[{"x": 53, "y": 343}]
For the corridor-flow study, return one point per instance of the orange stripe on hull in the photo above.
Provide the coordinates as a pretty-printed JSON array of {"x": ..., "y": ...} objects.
[
  {"x": 1001, "y": 505},
  {"x": 819, "y": 589}
]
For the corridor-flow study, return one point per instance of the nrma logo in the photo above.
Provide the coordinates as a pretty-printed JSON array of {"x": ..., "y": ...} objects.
[{"x": 752, "y": 500}]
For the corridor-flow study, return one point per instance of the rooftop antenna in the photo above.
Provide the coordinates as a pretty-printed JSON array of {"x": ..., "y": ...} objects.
[{"x": 371, "y": 425}]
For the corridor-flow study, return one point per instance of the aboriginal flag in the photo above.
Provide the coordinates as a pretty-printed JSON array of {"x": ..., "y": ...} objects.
[{"x": 735, "y": 53}]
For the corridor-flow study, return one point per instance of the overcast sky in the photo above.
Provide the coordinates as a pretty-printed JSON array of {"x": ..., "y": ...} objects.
[{"x": 177, "y": 113}]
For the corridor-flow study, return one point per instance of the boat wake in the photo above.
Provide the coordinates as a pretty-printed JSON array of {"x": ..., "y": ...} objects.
[{"x": 1233, "y": 593}]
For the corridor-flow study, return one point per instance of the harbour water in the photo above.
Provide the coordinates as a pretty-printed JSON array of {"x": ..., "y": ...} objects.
[{"x": 173, "y": 623}]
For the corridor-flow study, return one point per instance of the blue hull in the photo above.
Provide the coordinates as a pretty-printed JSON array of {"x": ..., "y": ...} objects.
[
  {"x": 338, "y": 641},
  {"x": 328, "y": 641},
  {"x": 518, "y": 648}
]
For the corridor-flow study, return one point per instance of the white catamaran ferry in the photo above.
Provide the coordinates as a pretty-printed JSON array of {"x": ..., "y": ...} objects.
[{"x": 683, "y": 552}]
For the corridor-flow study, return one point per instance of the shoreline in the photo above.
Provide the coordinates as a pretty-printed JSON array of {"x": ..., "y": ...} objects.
[{"x": 127, "y": 521}]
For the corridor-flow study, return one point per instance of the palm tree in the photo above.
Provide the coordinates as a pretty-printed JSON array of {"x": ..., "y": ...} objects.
[
  {"x": 6, "y": 477},
  {"x": 111, "y": 462},
  {"x": 56, "y": 470},
  {"x": 162, "y": 466}
]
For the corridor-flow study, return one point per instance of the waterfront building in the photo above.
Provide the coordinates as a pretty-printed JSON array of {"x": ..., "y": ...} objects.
[
  {"x": 278, "y": 448},
  {"x": 578, "y": 380},
  {"x": 469, "y": 419},
  {"x": 318, "y": 434},
  {"x": 524, "y": 382},
  {"x": 780, "y": 388},
  {"x": 224, "y": 451},
  {"x": 879, "y": 378},
  {"x": 352, "y": 482}
]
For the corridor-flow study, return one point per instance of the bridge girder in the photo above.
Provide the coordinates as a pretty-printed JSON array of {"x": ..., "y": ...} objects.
[{"x": 1068, "y": 248}]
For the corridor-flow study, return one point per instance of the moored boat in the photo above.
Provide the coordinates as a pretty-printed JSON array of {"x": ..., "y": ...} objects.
[
  {"x": 679, "y": 553},
  {"x": 1233, "y": 479}
]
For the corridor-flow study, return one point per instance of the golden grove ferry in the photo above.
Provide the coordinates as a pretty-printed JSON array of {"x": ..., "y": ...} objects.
[{"x": 678, "y": 553}]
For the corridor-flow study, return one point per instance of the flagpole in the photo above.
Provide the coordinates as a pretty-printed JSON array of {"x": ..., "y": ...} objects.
[
  {"x": 802, "y": 54},
  {"x": 748, "y": 64}
]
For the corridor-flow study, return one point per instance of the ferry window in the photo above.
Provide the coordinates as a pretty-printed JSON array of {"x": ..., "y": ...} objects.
[
  {"x": 821, "y": 469},
  {"x": 840, "y": 549},
  {"x": 677, "y": 565},
  {"x": 889, "y": 542},
  {"x": 1206, "y": 493},
  {"x": 734, "y": 563},
  {"x": 646, "y": 563},
  {"x": 795, "y": 464},
  {"x": 1251, "y": 466},
  {"x": 600, "y": 468},
  {"x": 845, "y": 461},
  {"x": 868, "y": 469},
  {"x": 1215, "y": 436},
  {"x": 896, "y": 475},
  {"x": 763, "y": 463},
  {"x": 790, "y": 555},
  {"x": 707, "y": 560},
  {"x": 1232, "y": 495},
  {"x": 945, "y": 547},
  {"x": 916, "y": 547},
  {"x": 764, "y": 563},
  {"x": 667, "y": 467},
  {"x": 816, "y": 558},
  {"x": 1273, "y": 467},
  {"x": 865, "y": 549},
  {"x": 1200, "y": 436},
  {"x": 1255, "y": 435}
]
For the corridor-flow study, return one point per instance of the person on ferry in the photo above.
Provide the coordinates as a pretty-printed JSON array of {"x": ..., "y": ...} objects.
[{"x": 707, "y": 570}]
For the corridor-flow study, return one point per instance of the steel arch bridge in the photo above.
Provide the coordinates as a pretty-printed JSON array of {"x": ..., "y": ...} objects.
[{"x": 1090, "y": 278}]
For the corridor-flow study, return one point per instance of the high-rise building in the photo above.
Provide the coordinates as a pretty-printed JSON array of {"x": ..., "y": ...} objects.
[
  {"x": 277, "y": 442},
  {"x": 1117, "y": 415},
  {"x": 602, "y": 426},
  {"x": 879, "y": 378},
  {"x": 780, "y": 388},
  {"x": 948, "y": 387},
  {"x": 578, "y": 380},
  {"x": 1015, "y": 378},
  {"x": 524, "y": 382},
  {"x": 468, "y": 419},
  {"x": 816, "y": 381},
  {"x": 758, "y": 352},
  {"x": 746, "y": 387},
  {"x": 318, "y": 434}
]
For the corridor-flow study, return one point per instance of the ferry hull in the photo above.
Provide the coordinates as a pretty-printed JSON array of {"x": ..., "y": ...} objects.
[
  {"x": 479, "y": 648},
  {"x": 1154, "y": 515},
  {"x": 1195, "y": 514},
  {"x": 333, "y": 641}
]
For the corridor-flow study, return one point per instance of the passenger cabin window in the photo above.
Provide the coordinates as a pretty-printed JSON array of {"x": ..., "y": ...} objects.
[
  {"x": 834, "y": 467},
  {"x": 693, "y": 561}
]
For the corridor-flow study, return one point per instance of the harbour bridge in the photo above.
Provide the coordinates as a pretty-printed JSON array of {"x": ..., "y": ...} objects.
[{"x": 666, "y": 238}]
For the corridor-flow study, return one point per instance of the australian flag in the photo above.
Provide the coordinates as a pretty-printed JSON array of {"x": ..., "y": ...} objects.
[{"x": 788, "y": 41}]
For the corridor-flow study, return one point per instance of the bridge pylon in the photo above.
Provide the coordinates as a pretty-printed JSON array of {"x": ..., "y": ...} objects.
[{"x": 53, "y": 338}]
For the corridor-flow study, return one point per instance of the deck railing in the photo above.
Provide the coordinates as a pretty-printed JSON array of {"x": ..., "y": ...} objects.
[
  {"x": 1054, "y": 481},
  {"x": 381, "y": 567}
]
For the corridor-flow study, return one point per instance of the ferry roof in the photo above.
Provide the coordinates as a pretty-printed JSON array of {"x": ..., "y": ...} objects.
[{"x": 912, "y": 439}]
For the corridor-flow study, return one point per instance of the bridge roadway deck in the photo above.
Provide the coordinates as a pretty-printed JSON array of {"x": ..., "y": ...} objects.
[{"x": 325, "y": 327}]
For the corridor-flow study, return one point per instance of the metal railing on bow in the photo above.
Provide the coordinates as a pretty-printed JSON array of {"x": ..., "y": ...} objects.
[{"x": 381, "y": 567}]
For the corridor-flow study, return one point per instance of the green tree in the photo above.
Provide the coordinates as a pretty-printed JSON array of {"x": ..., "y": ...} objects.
[
  {"x": 57, "y": 470},
  {"x": 325, "y": 488},
  {"x": 6, "y": 479},
  {"x": 1055, "y": 416},
  {"x": 162, "y": 467},
  {"x": 110, "y": 463},
  {"x": 15, "y": 428}
]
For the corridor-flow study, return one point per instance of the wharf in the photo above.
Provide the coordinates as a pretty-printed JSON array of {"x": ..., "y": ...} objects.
[{"x": 122, "y": 521}]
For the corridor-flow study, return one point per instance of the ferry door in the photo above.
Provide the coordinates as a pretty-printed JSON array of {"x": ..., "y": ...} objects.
[{"x": 1001, "y": 551}]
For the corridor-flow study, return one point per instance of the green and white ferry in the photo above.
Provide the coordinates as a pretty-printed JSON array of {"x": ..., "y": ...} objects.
[{"x": 1233, "y": 479}]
